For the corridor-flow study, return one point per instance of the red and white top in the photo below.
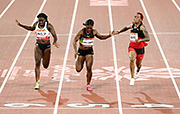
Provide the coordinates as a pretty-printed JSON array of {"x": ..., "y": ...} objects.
[{"x": 42, "y": 33}]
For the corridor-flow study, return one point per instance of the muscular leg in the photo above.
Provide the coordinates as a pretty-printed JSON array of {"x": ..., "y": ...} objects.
[
  {"x": 89, "y": 63},
  {"x": 138, "y": 64},
  {"x": 79, "y": 63},
  {"x": 46, "y": 57},
  {"x": 132, "y": 57},
  {"x": 37, "y": 56}
]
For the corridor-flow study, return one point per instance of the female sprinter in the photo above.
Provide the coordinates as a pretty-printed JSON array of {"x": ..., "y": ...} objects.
[
  {"x": 138, "y": 37},
  {"x": 42, "y": 47},
  {"x": 85, "y": 52}
]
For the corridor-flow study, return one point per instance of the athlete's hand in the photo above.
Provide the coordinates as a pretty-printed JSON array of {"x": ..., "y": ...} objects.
[
  {"x": 138, "y": 40},
  {"x": 56, "y": 45},
  {"x": 17, "y": 22},
  {"x": 76, "y": 54},
  {"x": 116, "y": 32},
  {"x": 111, "y": 33}
]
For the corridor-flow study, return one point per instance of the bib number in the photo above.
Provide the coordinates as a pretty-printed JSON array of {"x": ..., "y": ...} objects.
[
  {"x": 42, "y": 35},
  {"x": 88, "y": 42},
  {"x": 133, "y": 37}
]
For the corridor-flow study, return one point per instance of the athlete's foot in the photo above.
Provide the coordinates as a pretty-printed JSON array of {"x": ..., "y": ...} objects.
[
  {"x": 137, "y": 74},
  {"x": 89, "y": 88},
  {"x": 37, "y": 85},
  {"x": 132, "y": 81}
]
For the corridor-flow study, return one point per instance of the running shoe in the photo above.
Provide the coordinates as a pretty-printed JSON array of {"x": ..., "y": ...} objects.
[
  {"x": 132, "y": 81},
  {"x": 89, "y": 88},
  {"x": 136, "y": 75},
  {"x": 37, "y": 85}
]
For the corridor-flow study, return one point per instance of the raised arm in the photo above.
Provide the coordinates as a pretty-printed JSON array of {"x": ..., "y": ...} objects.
[
  {"x": 53, "y": 33},
  {"x": 102, "y": 37},
  {"x": 123, "y": 29},
  {"x": 77, "y": 37},
  {"x": 31, "y": 28}
]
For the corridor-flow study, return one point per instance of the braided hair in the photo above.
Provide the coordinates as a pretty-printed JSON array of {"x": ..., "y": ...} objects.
[{"x": 43, "y": 15}]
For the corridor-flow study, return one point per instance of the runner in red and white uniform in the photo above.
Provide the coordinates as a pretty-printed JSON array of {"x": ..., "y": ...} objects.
[
  {"x": 138, "y": 38},
  {"x": 42, "y": 49}
]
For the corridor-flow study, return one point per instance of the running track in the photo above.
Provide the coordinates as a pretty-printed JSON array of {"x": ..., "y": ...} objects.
[{"x": 156, "y": 90}]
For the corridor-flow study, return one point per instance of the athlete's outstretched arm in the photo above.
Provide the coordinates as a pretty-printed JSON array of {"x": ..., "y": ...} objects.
[
  {"x": 102, "y": 37},
  {"x": 53, "y": 32},
  {"x": 77, "y": 37},
  {"x": 31, "y": 28},
  {"x": 123, "y": 29}
]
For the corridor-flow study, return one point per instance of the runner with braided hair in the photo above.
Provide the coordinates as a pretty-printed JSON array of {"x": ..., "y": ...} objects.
[{"x": 42, "y": 49}]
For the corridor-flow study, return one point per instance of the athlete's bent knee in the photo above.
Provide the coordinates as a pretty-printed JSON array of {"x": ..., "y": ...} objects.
[
  {"x": 139, "y": 66},
  {"x": 46, "y": 66},
  {"x": 89, "y": 69},
  {"x": 78, "y": 69},
  {"x": 38, "y": 63},
  {"x": 132, "y": 60}
]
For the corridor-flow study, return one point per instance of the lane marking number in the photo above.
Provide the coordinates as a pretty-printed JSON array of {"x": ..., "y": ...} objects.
[
  {"x": 152, "y": 105},
  {"x": 21, "y": 105},
  {"x": 80, "y": 105}
]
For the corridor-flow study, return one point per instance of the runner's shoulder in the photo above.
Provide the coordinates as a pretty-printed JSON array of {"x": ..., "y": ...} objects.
[
  {"x": 49, "y": 25},
  {"x": 81, "y": 31},
  {"x": 142, "y": 27},
  {"x": 35, "y": 23},
  {"x": 94, "y": 31}
]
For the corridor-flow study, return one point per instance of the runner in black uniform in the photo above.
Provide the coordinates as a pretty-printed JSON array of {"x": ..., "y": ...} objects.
[
  {"x": 85, "y": 52},
  {"x": 138, "y": 38}
]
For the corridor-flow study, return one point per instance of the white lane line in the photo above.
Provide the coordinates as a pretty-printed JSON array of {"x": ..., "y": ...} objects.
[
  {"x": 115, "y": 60},
  {"x": 65, "y": 58},
  {"x": 6, "y": 8},
  {"x": 160, "y": 48},
  {"x": 176, "y": 5},
  {"x": 20, "y": 50}
]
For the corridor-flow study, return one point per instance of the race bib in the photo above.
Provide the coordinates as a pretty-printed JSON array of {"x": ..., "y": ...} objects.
[
  {"x": 88, "y": 42},
  {"x": 133, "y": 36},
  {"x": 42, "y": 34}
]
